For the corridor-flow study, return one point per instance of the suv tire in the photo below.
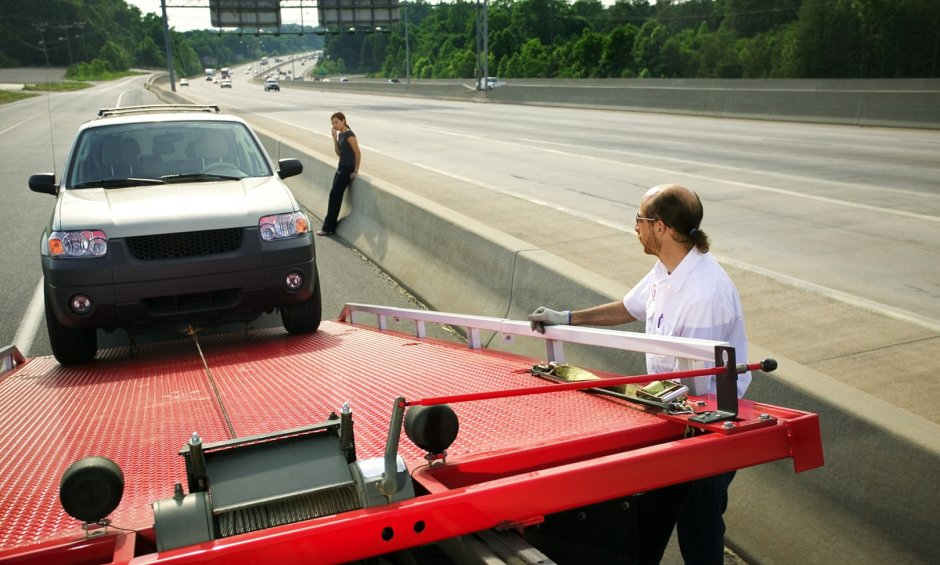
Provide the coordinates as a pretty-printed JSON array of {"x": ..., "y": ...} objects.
[
  {"x": 304, "y": 317},
  {"x": 70, "y": 346}
]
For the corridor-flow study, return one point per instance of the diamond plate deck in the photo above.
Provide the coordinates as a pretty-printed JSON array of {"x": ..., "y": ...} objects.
[{"x": 140, "y": 408}]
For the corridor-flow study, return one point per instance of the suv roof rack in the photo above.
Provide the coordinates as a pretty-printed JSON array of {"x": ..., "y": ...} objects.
[{"x": 108, "y": 112}]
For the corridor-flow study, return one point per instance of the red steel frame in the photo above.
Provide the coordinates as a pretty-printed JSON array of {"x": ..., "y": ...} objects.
[{"x": 499, "y": 486}]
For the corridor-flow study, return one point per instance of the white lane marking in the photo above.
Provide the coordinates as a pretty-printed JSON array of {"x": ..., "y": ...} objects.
[
  {"x": 539, "y": 145},
  {"x": 26, "y": 333},
  {"x": 797, "y": 178},
  {"x": 16, "y": 125},
  {"x": 763, "y": 188},
  {"x": 751, "y": 186},
  {"x": 851, "y": 299}
]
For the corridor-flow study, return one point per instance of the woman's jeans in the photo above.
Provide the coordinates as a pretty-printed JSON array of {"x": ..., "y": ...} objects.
[{"x": 340, "y": 182}]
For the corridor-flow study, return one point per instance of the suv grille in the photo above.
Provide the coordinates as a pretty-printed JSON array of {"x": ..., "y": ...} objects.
[{"x": 189, "y": 244}]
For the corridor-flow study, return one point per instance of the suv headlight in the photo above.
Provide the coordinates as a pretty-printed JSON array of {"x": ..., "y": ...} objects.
[
  {"x": 86, "y": 243},
  {"x": 283, "y": 226}
]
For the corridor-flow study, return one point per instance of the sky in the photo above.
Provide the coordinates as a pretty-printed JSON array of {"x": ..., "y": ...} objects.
[
  {"x": 196, "y": 13},
  {"x": 181, "y": 19}
]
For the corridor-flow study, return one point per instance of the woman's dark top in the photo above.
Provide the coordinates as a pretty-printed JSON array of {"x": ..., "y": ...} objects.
[{"x": 347, "y": 158}]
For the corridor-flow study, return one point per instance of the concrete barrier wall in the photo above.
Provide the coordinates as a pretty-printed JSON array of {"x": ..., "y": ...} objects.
[
  {"x": 910, "y": 103},
  {"x": 869, "y": 504}
]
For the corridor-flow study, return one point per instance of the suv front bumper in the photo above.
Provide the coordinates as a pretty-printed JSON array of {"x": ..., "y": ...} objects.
[{"x": 128, "y": 293}]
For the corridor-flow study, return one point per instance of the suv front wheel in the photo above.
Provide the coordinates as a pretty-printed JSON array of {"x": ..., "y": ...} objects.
[
  {"x": 303, "y": 317},
  {"x": 70, "y": 346}
]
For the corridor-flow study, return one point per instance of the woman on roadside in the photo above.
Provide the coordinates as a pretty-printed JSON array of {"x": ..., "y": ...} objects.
[{"x": 347, "y": 149}]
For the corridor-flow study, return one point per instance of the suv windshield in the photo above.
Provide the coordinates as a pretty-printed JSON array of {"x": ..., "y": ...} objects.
[{"x": 168, "y": 152}]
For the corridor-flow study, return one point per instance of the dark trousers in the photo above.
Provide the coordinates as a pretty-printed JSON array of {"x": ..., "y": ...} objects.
[
  {"x": 695, "y": 509},
  {"x": 340, "y": 182}
]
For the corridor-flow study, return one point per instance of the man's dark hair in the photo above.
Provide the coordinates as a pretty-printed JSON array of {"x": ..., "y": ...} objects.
[{"x": 680, "y": 209}]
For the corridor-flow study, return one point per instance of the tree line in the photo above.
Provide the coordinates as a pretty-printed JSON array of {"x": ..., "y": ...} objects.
[
  {"x": 95, "y": 38},
  {"x": 526, "y": 38},
  {"x": 668, "y": 39}
]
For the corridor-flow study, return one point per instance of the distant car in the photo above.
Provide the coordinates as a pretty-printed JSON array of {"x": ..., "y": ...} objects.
[
  {"x": 272, "y": 84},
  {"x": 225, "y": 83},
  {"x": 393, "y": 81},
  {"x": 344, "y": 79},
  {"x": 490, "y": 83},
  {"x": 170, "y": 216},
  {"x": 184, "y": 82}
]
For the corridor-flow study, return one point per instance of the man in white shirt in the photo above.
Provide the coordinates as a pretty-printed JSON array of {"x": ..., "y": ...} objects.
[{"x": 685, "y": 294}]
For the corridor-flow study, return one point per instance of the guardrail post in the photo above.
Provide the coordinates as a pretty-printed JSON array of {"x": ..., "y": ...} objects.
[{"x": 554, "y": 351}]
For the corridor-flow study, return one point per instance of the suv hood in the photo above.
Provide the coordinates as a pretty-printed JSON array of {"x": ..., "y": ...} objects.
[{"x": 172, "y": 208}]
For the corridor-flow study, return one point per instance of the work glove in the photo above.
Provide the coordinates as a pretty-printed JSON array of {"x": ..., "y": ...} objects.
[{"x": 547, "y": 317}]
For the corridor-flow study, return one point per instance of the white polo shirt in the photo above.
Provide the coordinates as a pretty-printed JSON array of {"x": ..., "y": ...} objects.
[{"x": 696, "y": 300}]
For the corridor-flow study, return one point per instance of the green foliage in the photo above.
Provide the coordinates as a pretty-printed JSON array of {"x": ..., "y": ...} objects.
[
  {"x": 115, "y": 57},
  {"x": 648, "y": 48},
  {"x": 669, "y": 38},
  {"x": 586, "y": 54},
  {"x": 149, "y": 53},
  {"x": 96, "y": 69},
  {"x": 185, "y": 59},
  {"x": 462, "y": 63},
  {"x": 100, "y": 38},
  {"x": 526, "y": 38},
  {"x": 7, "y": 96},
  {"x": 617, "y": 57},
  {"x": 56, "y": 86},
  {"x": 330, "y": 67},
  {"x": 748, "y": 18},
  {"x": 531, "y": 61}
]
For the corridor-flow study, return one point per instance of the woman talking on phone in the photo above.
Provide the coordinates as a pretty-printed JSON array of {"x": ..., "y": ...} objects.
[{"x": 347, "y": 149}]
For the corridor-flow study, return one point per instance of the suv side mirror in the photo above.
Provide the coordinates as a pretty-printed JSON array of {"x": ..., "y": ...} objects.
[
  {"x": 289, "y": 168},
  {"x": 43, "y": 182}
]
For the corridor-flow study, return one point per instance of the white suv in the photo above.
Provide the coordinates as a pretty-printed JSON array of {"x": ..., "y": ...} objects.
[{"x": 172, "y": 215}]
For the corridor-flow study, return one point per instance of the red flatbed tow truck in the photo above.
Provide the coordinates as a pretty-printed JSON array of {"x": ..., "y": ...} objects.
[{"x": 241, "y": 448}]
